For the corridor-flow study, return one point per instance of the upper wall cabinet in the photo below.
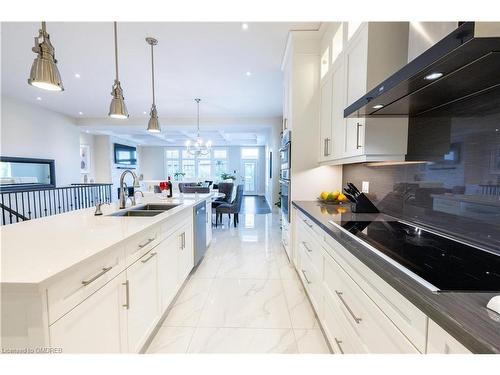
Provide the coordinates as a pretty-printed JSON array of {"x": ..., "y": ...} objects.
[{"x": 371, "y": 52}]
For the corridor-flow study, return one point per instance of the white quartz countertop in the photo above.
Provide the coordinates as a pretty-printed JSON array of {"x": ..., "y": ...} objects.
[{"x": 36, "y": 250}]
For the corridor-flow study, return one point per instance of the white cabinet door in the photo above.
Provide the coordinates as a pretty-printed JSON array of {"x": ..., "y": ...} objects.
[
  {"x": 143, "y": 307},
  {"x": 441, "y": 342},
  {"x": 325, "y": 118},
  {"x": 338, "y": 106},
  {"x": 186, "y": 251},
  {"x": 356, "y": 61},
  {"x": 354, "y": 137},
  {"x": 168, "y": 278},
  {"x": 97, "y": 325}
]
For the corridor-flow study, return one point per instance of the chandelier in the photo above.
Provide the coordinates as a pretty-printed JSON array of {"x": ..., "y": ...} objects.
[{"x": 198, "y": 147}]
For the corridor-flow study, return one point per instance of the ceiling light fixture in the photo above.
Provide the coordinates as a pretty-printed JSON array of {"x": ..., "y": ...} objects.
[
  {"x": 433, "y": 76},
  {"x": 378, "y": 106},
  {"x": 38, "y": 98},
  {"x": 244, "y": 26},
  {"x": 117, "y": 108},
  {"x": 44, "y": 73},
  {"x": 248, "y": 74},
  {"x": 153, "y": 124},
  {"x": 198, "y": 148},
  {"x": 77, "y": 75},
  {"x": 80, "y": 113}
]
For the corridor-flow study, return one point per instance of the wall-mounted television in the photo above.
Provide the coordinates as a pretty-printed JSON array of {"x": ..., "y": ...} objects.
[{"x": 125, "y": 155}]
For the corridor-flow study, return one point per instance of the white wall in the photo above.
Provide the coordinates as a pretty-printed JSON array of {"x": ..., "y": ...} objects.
[
  {"x": 30, "y": 131},
  {"x": 152, "y": 160},
  {"x": 272, "y": 184}
]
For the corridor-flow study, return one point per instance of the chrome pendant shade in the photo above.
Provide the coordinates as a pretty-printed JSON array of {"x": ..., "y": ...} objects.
[
  {"x": 117, "y": 108},
  {"x": 198, "y": 148},
  {"x": 153, "y": 124},
  {"x": 44, "y": 73}
]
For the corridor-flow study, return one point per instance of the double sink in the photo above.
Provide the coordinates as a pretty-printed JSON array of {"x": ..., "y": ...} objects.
[{"x": 146, "y": 210}]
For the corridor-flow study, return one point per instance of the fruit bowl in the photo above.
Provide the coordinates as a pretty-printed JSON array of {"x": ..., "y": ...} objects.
[
  {"x": 335, "y": 197},
  {"x": 328, "y": 201}
]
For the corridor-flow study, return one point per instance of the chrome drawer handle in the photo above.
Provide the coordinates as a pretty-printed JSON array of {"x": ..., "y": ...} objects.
[
  {"x": 148, "y": 258},
  {"x": 307, "y": 223},
  {"x": 358, "y": 146},
  {"x": 305, "y": 277},
  {"x": 305, "y": 245},
  {"x": 146, "y": 243},
  {"x": 339, "y": 342},
  {"x": 339, "y": 294},
  {"x": 127, "y": 295},
  {"x": 104, "y": 270}
]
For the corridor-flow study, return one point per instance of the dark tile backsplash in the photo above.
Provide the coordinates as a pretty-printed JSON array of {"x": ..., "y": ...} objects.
[{"x": 457, "y": 190}]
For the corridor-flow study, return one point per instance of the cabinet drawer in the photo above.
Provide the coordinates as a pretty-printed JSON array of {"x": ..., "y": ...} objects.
[
  {"x": 377, "y": 333},
  {"x": 77, "y": 284},
  {"x": 406, "y": 316},
  {"x": 441, "y": 342},
  {"x": 311, "y": 278},
  {"x": 141, "y": 243},
  {"x": 343, "y": 339},
  {"x": 312, "y": 248}
]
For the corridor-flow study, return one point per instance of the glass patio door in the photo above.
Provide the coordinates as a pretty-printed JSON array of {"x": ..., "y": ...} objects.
[{"x": 249, "y": 177}]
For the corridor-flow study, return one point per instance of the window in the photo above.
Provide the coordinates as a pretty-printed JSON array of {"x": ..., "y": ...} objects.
[
  {"x": 203, "y": 167},
  {"x": 249, "y": 153}
]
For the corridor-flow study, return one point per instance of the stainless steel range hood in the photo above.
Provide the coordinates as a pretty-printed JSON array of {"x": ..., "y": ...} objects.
[{"x": 464, "y": 63}]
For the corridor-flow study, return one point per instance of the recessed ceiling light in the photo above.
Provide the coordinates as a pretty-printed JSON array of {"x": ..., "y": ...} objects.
[
  {"x": 244, "y": 26},
  {"x": 432, "y": 76},
  {"x": 80, "y": 113},
  {"x": 248, "y": 74},
  {"x": 38, "y": 98},
  {"x": 77, "y": 75},
  {"x": 144, "y": 112},
  {"x": 378, "y": 106}
]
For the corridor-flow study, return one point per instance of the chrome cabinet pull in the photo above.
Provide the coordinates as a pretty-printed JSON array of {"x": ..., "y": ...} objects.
[
  {"x": 305, "y": 277},
  {"x": 149, "y": 240},
  {"x": 339, "y": 342},
  {"x": 307, "y": 223},
  {"x": 327, "y": 146},
  {"x": 339, "y": 294},
  {"x": 305, "y": 245},
  {"x": 127, "y": 295},
  {"x": 103, "y": 271},
  {"x": 358, "y": 146},
  {"x": 324, "y": 147},
  {"x": 148, "y": 258}
]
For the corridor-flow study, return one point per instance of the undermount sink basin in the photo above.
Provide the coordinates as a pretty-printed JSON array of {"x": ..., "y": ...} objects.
[
  {"x": 137, "y": 213},
  {"x": 156, "y": 207},
  {"x": 146, "y": 210}
]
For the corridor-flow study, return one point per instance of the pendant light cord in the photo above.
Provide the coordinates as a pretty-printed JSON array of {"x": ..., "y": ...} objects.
[
  {"x": 153, "y": 73},
  {"x": 116, "y": 53},
  {"x": 198, "y": 101}
]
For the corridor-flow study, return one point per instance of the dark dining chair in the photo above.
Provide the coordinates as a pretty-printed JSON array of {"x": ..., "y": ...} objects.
[
  {"x": 230, "y": 208},
  {"x": 227, "y": 189}
]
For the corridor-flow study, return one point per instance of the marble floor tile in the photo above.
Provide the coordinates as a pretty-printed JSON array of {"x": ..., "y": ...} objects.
[
  {"x": 171, "y": 340},
  {"x": 311, "y": 341},
  {"x": 246, "y": 303},
  {"x": 245, "y": 297},
  {"x": 301, "y": 312},
  {"x": 189, "y": 304},
  {"x": 243, "y": 340}
]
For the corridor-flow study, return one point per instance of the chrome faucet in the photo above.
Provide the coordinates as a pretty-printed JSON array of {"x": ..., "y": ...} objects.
[
  {"x": 98, "y": 211},
  {"x": 123, "y": 196}
]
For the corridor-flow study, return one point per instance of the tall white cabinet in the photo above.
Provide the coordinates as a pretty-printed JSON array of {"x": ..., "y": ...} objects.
[{"x": 369, "y": 54}]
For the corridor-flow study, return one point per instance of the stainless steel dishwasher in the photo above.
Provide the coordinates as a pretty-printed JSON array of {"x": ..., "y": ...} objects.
[{"x": 200, "y": 231}]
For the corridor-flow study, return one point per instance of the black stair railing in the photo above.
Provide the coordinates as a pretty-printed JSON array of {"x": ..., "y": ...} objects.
[{"x": 32, "y": 203}]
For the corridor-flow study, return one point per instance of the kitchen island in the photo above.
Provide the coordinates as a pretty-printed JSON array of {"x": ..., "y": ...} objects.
[
  {"x": 342, "y": 271},
  {"x": 110, "y": 278}
]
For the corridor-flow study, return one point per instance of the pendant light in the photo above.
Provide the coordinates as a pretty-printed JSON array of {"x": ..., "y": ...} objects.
[
  {"x": 44, "y": 73},
  {"x": 153, "y": 124},
  {"x": 117, "y": 108},
  {"x": 198, "y": 148}
]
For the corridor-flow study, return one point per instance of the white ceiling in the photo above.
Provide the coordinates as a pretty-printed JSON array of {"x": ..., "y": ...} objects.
[{"x": 206, "y": 60}]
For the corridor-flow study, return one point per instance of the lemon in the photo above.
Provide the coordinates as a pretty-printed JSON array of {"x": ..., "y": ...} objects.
[
  {"x": 341, "y": 197},
  {"x": 324, "y": 195},
  {"x": 336, "y": 193}
]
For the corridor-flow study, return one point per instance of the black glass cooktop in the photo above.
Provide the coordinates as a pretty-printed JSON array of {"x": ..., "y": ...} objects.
[{"x": 446, "y": 264}]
